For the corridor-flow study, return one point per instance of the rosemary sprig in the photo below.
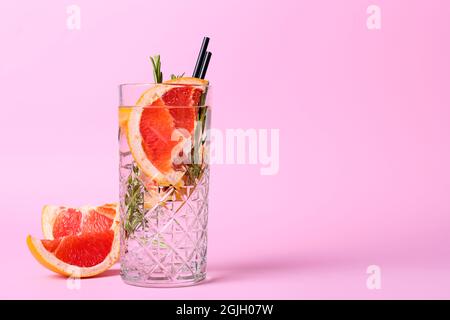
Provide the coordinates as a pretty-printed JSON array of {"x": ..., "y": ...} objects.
[
  {"x": 134, "y": 202},
  {"x": 173, "y": 77},
  {"x": 157, "y": 74},
  {"x": 195, "y": 168}
]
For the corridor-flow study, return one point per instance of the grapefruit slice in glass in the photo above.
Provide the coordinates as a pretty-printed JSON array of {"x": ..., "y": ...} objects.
[{"x": 157, "y": 132}]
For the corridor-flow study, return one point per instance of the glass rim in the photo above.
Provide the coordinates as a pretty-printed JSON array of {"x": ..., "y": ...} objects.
[{"x": 142, "y": 84}]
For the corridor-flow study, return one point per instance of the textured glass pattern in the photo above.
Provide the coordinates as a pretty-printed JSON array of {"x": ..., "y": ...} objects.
[{"x": 170, "y": 246}]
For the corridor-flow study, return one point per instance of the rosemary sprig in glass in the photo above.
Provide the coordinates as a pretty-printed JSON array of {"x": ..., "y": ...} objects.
[
  {"x": 195, "y": 168},
  {"x": 134, "y": 202}
]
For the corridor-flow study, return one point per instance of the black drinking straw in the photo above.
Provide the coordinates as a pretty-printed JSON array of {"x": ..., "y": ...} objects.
[
  {"x": 205, "y": 65},
  {"x": 201, "y": 58}
]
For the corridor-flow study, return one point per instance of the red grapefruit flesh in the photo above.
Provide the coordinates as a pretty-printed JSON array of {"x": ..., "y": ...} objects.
[
  {"x": 183, "y": 100},
  {"x": 158, "y": 124},
  {"x": 67, "y": 223},
  {"x": 72, "y": 221},
  {"x": 95, "y": 222},
  {"x": 85, "y": 250},
  {"x": 156, "y": 129},
  {"x": 51, "y": 245}
]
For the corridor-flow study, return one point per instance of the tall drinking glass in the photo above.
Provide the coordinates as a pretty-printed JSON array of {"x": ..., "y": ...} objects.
[{"x": 164, "y": 182}]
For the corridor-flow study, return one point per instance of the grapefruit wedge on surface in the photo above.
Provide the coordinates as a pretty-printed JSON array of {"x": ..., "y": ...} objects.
[
  {"x": 150, "y": 131},
  {"x": 80, "y": 242}
]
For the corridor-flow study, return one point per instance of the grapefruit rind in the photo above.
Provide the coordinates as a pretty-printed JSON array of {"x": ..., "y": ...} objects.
[
  {"x": 124, "y": 114},
  {"x": 48, "y": 216}
]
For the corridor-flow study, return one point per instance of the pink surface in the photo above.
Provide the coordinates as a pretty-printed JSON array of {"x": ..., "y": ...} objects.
[{"x": 363, "y": 115}]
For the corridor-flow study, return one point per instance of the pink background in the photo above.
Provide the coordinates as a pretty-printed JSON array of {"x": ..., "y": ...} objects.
[{"x": 364, "y": 139}]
